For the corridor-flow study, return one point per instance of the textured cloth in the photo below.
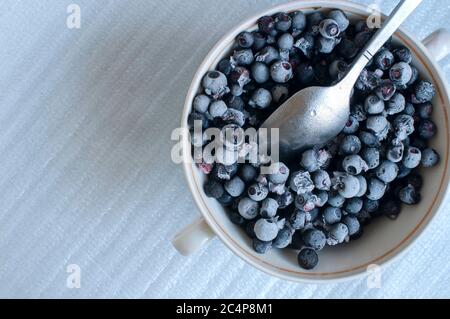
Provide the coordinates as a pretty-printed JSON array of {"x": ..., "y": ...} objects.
[{"x": 85, "y": 171}]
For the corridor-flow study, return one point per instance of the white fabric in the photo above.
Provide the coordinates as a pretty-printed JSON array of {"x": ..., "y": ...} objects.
[{"x": 85, "y": 170}]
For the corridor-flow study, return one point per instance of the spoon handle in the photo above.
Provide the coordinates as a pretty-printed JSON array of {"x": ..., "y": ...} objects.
[{"x": 398, "y": 16}]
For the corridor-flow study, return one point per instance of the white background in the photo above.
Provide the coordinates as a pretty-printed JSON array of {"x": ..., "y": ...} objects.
[{"x": 85, "y": 170}]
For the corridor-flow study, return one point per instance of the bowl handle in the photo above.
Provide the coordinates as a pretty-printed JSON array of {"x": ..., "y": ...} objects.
[
  {"x": 438, "y": 44},
  {"x": 190, "y": 239}
]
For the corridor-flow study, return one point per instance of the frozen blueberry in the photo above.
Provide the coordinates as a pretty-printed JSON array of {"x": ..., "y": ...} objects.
[
  {"x": 322, "y": 198},
  {"x": 314, "y": 18},
  {"x": 350, "y": 145},
  {"x": 352, "y": 224},
  {"x": 286, "y": 42},
  {"x": 335, "y": 199},
  {"x": 400, "y": 73},
  {"x": 395, "y": 151},
  {"x": 371, "y": 206},
  {"x": 259, "y": 41},
  {"x": 283, "y": 239},
  {"x": 304, "y": 73},
  {"x": 326, "y": 45},
  {"x": 374, "y": 105},
  {"x": 225, "y": 66},
  {"x": 332, "y": 215},
  {"x": 266, "y": 230},
  {"x": 268, "y": 55},
  {"x": 198, "y": 117},
  {"x": 266, "y": 25},
  {"x": 237, "y": 219},
  {"x": 412, "y": 157},
  {"x": 283, "y": 22},
  {"x": 313, "y": 160},
  {"x": 245, "y": 39},
  {"x": 248, "y": 173},
  {"x": 244, "y": 57},
  {"x": 424, "y": 92},
  {"x": 215, "y": 84},
  {"x": 280, "y": 173},
  {"x": 281, "y": 71},
  {"x": 425, "y": 110},
  {"x": 352, "y": 126},
  {"x": 340, "y": 18},
  {"x": 387, "y": 172},
  {"x": 378, "y": 125},
  {"x": 240, "y": 75},
  {"x": 358, "y": 112},
  {"x": 354, "y": 205},
  {"x": 375, "y": 189},
  {"x": 269, "y": 208},
  {"x": 308, "y": 258},
  {"x": 371, "y": 156},
  {"x": 301, "y": 182},
  {"x": 280, "y": 93},
  {"x": 427, "y": 129},
  {"x": 235, "y": 102},
  {"x": 403, "y": 171},
  {"x": 329, "y": 29},
  {"x": 260, "y": 72},
  {"x": 409, "y": 195},
  {"x": 337, "y": 69},
  {"x": 385, "y": 90},
  {"x": 248, "y": 208},
  {"x": 214, "y": 189},
  {"x": 384, "y": 59},
  {"x": 217, "y": 108},
  {"x": 391, "y": 208},
  {"x": 368, "y": 81},
  {"x": 409, "y": 109},
  {"x": 226, "y": 199},
  {"x": 258, "y": 192},
  {"x": 403, "y": 126},
  {"x": 415, "y": 180},
  {"x": 349, "y": 186},
  {"x": 322, "y": 180},
  {"x": 314, "y": 239},
  {"x": 285, "y": 199},
  {"x": 347, "y": 49},
  {"x": 337, "y": 234},
  {"x": 430, "y": 157},
  {"x": 250, "y": 229},
  {"x": 222, "y": 172},
  {"x": 403, "y": 54},
  {"x": 396, "y": 104},
  {"x": 298, "y": 21},
  {"x": 261, "y": 247},
  {"x": 235, "y": 187},
  {"x": 261, "y": 99},
  {"x": 305, "y": 202},
  {"x": 233, "y": 116},
  {"x": 306, "y": 44},
  {"x": 362, "y": 38},
  {"x": 201, "y": 103},
  {"x": 415, "y": 76},
  {"x": 354, "y": 165},
  {"x": 362, "y": 185},
  {"x": 298, "y": 219}
]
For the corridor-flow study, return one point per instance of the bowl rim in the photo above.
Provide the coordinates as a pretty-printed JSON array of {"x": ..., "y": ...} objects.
[{"x": 301, "y": 276}]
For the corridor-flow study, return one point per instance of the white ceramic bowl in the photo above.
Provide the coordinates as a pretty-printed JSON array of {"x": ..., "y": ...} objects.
[{"x": 384, "y": 239}]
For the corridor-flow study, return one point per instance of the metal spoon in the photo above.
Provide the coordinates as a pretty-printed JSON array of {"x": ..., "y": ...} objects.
[{"x": 316, "y": 115}]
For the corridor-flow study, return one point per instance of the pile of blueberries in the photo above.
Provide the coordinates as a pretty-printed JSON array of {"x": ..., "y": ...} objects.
[{"x": 369, "y": 170}]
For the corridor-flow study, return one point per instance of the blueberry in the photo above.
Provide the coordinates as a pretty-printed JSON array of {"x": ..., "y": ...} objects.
[
  {"x": 387, "y": 172},
  {"x": 225, "y": 66},
  {"x": 258, "y": 192},
  {"x": 266, "y": 25},
  {"x": 298, "y": 21},
  {"x": 352, "y": 224},
  {"x": 362, "y": 38},
  {"x": 281, "y": 71},
  {"x": 338, "y": 69},
  {"x": 313, "y": 19},
  {"x": 384, "y": 59},
  {"x": 261, "y": 99},
  {"x": 350, "y": 145},
  {"x": 283, "y": 22},
  {"x": 280, "y": 173},
  {"x": 308, "y": 258},
  {"x": 352, "y": 126},
  {"x": 396, "y": 104},
  {"x": 322, "y": 198},
  {"x": 368, "y": 81},
  {"x": 285, "y": 199},
  {"x": 298, "y": 219},
  {"x": 412, "y": 157},
  {"x": 306, "y": 44},
  {"x": 340, "y": 18},
  {"x": 304, "y": 73},
  {"x": 362, "y": 185},
  {"x": 261, "y": 247},
  {"x": 375, "y": 189},
  {"x": 283, "y": 239},
  {"x": 235, "y": 102},
  {"x": 313, "y": 160},
  {"x": 371, "y": 156},
  {"x": 314, "y": 239},
  {"x": 415, "y": 76},
  {"x": 259, "y": 41},
  {"x": 378, "y": 125},
  {"x": 424, "y": 92},
  {"x": 409, "y": 109},
  {"x": 245, "y": 40},
  {"x": 354, "y": 206},
  {"x": 391, "y": 209},
  {"x": 329, "y": 29},
  {"x": 226, "y": 199},
  {"x": 217, "y": 108},
  {"x": 280, "y": 93},
  {"x": 430, "y": 158},
  {"x": 400, "y": 73},
  {"x": 358, "y": 112},
  {"x": 347, "y": 49},
  {"x": 332, "y": 215},
  {"x": 369, "y": 139},
  {"x": 214, "y": 189},
  {"x": 427, "y": 129},
  {"x": 322, "y": 180},
  {"x": 269, "y": 208},
  {"x": 425, "y": 110},
  {"x": 337, "y": 234},
  {"x": 250, "y": 229},
  {"x": 236, "y": 90},
  {"x": 195, "y": 116},
  {"x": 286, "y": 42},
  {"x": 201, "y": 103},
  {"x": 385, "y": 90},
  {"x": 268, "y": 55},
  {"x": 326, "y": 45},
  {"x": 373, "y": 105},
  {"x": 266, "y": 230},
  {"x": 222, "y": 172},
  {"x": 409, "y": 195},
  {"x": 350, "y": 186},
  {"x": 403, "y": 126},
  {"x": 415, "y": 180},
  {"x": 354, "y": 165},
  {"x": 371, "y": 206},
  {"x": 244, "y": 57},
  {"x": 233, "y": 116},
  {"x": 260, "y": 72},
  {"x": 215, "y": 84},
  {"x": 395, "y": 151},
  {"x": 237, "y": 219},
  {"x": 248, "y": 208},
  {"x": 235, "y": 187},
  {"x": 336, "y": 200},
  {"x": 420, "y": 143},
  {"x": 240, "y": 76},
  {"x": 403, "y": 54},
  {"x": 403, "y": 171},
  {"x": 305, "y": 202}
]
